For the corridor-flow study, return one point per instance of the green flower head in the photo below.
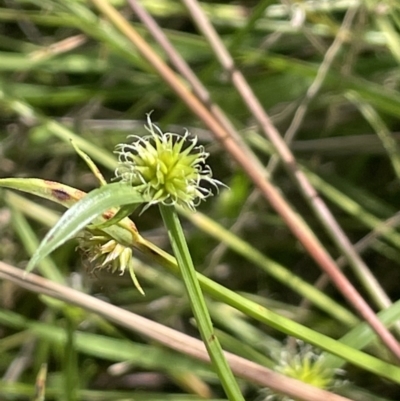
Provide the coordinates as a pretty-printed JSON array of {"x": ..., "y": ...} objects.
[{"x": 166, "y": 167}]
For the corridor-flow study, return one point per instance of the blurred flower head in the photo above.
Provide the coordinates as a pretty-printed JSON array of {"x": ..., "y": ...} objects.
[
  {"x": 166, "y": 167},
  {"x": 304, "y": 364}
]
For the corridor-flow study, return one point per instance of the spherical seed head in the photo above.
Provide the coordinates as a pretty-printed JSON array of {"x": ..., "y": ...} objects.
[{"x": 166, "y": 167}]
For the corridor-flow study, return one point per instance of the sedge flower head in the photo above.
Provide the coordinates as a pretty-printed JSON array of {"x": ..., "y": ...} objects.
[
  {"x": 166, "y": 167},
  {"x": 104, "y": 252}
]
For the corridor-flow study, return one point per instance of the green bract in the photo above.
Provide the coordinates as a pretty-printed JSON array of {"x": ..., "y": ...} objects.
[{"x": 166, "y": 170}]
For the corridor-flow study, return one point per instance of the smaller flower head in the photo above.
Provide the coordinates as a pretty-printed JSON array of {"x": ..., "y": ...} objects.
[
  {"x": 164, "y": 169},
  {"x": 103, "y": 252}
]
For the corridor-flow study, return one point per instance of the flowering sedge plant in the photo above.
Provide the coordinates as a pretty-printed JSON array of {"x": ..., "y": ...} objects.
[
  {"x": 159, "y": 168},
  {"x": 168, "y": 170},
  {"x": 164, "y": 168}
]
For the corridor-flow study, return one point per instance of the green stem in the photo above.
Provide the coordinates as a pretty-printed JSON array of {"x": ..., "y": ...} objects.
[{"x": 197, "y": 302}]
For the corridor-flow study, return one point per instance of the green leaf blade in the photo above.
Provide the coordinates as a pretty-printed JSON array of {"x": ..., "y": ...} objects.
[{"x": 91, "y": 206}]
